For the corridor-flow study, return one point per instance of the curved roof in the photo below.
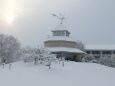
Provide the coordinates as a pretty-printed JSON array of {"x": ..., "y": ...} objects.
[
  {"x": 63, "y": 49},
  {"x": 60, "y": 38}
]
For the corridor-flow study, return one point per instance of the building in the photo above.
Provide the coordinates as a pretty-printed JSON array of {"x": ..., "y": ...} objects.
[
  {"x": 61, "y": 44},
  {"x": 100, "y": 50}
]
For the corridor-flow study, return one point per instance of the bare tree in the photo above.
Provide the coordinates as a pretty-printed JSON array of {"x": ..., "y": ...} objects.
[{"x": 80, "y": 45}]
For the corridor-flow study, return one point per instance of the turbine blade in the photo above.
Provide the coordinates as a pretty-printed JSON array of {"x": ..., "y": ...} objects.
[
  {"x": 64, "y": 15},
  {"x": 61, "y": 15},
  {"x": 53, "y": 14}
]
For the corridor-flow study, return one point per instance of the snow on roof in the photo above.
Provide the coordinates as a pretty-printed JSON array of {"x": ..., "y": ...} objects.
[
  {"x": 60, "y": 27},
  {"x": 100, "y": 47},
  {"x": 63, "y": 49},
  {"x": 60, "y": 38}
]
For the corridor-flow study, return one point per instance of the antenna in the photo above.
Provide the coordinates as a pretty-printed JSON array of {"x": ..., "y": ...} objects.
[{"x": 61, "y": 17}]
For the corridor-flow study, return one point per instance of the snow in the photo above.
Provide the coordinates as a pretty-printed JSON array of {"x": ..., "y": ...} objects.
[
  {"x": 100, "y": 47},
  {"x": 64, "y": 49},
  {"x": 72, "y": 74},
  {"x": 60, "y": 38},
  {"x": 60, "y": 28}
]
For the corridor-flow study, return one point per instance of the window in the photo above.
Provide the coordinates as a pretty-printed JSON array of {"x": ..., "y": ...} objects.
[
  {"x": 54, "y": 33},
  {"x": 58, "y": 33},
  {"x": 97, "y": 56},
  {"x": 61, "y": 33},
  {"x": 95, "y": 52},
  {"x": 114, "y": 52},
  {"x": 106, "y": 52},
  {"x": 88, "y": 52}
]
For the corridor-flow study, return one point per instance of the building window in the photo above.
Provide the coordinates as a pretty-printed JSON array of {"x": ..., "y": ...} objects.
[
  {"x": 88, "y": 52},
  {"x": 106, "y": 52},
  {"x": 95, "y": 52},
  {"x": 53, "y": 52},
  {"x": 61, "y": 33},
  {"x": 113, "y": 52},
  {"x": 97, "y": 56},
  {"x": 58, "y": 33}
]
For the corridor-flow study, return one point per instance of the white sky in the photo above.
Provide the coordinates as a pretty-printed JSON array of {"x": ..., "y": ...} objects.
[{"x": 91, "y": 21}]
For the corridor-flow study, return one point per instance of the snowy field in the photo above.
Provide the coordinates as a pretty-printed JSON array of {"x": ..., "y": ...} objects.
[{"x": 73, "y": 74}]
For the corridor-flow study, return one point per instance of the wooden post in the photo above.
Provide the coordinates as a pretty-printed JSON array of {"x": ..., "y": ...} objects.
[
  {"x": 25, "y": 61},
  {"x": 3, "y": 65},
  {"x": 35, "y": 61},
  {"x": 49, "y": 65},
  {"x": 62, "y": 64},
  {"x": 9, "y": 66}
]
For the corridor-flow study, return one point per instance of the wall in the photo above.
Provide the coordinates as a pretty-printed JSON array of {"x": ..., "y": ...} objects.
[{"x": 60, "y": 44}]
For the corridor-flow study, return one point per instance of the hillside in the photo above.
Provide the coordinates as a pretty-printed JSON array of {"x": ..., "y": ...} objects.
[{"x": 73, "y": 74}]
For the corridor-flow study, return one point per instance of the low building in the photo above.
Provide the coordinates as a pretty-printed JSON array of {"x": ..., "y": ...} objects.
[
  {"x": 100, "y": 50},
  {"x": 61, "y": 44}
]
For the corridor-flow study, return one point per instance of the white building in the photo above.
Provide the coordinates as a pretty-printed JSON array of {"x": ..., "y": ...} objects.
[
  {"x": 62, "y": 44},
  {"x": 100, "y": 50}
]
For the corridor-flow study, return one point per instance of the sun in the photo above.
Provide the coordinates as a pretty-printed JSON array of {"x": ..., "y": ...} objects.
[{"x": 9, "y": 19}]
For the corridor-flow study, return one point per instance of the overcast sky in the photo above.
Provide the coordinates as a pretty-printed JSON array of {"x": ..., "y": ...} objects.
[{"x": 31, "y": 21}]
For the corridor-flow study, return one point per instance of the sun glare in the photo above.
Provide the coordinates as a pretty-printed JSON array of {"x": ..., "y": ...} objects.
[{"x": 9, "y": 19}]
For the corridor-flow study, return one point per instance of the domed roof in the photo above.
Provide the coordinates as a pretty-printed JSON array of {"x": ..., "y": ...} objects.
[
  {"x": 60, "y": 38},
  {"x": 60, "y": 28}
]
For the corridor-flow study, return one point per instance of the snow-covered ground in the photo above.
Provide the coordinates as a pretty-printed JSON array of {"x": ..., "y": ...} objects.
[{"x": 73, "y": 74}]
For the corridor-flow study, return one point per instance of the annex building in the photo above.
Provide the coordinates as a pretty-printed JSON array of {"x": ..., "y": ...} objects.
[
  {"x": 61, "y": 44},
  {"x": 100, "y": 50}
]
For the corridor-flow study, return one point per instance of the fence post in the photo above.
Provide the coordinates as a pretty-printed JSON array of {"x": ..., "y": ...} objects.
[
  {"x": 3, "y": 65},
  {"x": 62, "y": 64},
  {"x": 9, "y": 66},
  {"x": 49, "y": 65}
]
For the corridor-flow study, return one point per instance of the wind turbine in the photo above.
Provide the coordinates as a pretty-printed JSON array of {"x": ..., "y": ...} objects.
[{"x": 61, "y": 17}]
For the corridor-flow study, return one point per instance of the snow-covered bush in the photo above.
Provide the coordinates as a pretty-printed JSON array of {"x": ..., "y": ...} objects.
[
  {"x": 88, "y": 58},
  {"x": 9, "y": 48},
  {"x": 47, "y": 57},
  {"x": 107, "y": 60},
  {"x": 38, "y": 55},
  {"x": 29, "y": 54}
]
